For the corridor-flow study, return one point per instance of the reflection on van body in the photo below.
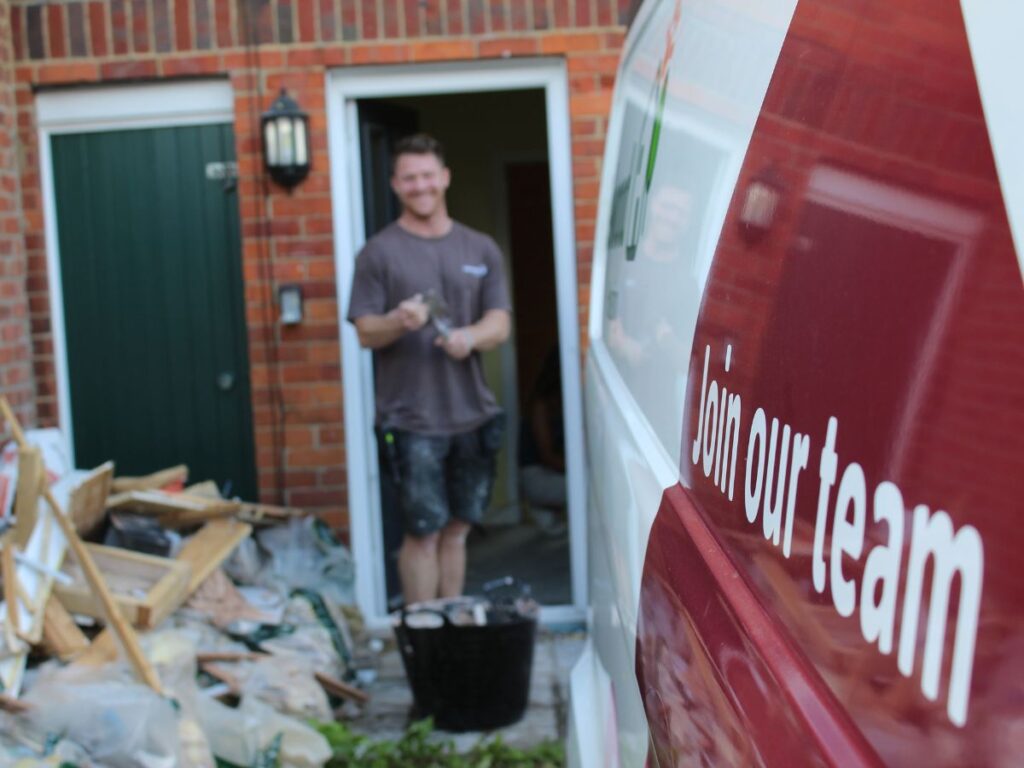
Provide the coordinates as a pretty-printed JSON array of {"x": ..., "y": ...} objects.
[{"x": 829, "y": 349}]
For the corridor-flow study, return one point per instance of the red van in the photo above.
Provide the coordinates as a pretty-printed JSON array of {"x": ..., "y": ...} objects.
[{"x": 805, "y": 390}]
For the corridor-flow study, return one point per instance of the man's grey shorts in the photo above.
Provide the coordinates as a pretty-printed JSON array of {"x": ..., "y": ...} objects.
[{"x": 445, "y": 476}]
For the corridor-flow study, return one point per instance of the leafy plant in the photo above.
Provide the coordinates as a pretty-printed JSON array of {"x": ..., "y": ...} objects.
[{"x": 418, "y": 748}]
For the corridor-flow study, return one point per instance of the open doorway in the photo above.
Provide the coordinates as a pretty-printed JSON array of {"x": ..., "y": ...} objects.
[
  {"x": 496, "y": 148},
  {"x": 506, "y": 131}
]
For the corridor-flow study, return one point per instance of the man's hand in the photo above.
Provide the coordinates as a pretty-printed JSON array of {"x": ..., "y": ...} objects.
[
  {"x": 413, "y": 312},
  {"x": 458, "y": 345}
]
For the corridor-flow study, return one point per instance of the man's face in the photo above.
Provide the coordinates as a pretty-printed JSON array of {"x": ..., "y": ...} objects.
[{"x": 420, "y": 182}]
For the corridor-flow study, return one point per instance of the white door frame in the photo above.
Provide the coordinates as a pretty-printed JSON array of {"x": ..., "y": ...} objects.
[
  {"x": 108, "y": 108},
  {"x": 344, "y": 87}
]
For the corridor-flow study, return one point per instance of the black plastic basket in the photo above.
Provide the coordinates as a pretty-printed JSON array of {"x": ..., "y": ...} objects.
[{"x": 470, "y": 677}]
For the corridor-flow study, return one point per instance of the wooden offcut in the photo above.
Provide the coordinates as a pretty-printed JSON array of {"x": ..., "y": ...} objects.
[
  {"x": 336, "y": 687},
  {"x": 146, "y": 588},
  {"x": 172, "y": 476},
  {"x": 174, "y": 510},
  {"x": 89, "y": 500},
  {"x": 268, "y": 514},
  {"x": 61, "y": 636},
  {"x": 31, "y": 475},
  {"x": 204, "y": 552}
]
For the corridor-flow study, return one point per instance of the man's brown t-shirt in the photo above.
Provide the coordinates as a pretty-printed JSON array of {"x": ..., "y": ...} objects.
[{"x": 418, "y": 387}]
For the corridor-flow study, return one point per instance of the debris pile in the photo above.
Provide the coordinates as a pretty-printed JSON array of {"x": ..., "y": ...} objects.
[{"x": 148, "y": 622}]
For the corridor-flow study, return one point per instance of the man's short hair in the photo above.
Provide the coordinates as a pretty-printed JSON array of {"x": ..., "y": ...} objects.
[{"x": 417, "y": 144}]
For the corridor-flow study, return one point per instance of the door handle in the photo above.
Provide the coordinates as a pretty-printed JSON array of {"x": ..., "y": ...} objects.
[{"x": 225, "y": 381}]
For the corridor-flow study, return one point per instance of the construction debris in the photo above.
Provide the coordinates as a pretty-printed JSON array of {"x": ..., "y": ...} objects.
[{"x": 179, "y": 603}]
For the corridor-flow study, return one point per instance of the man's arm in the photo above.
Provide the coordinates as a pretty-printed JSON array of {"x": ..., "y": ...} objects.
[
  {"x": 378, "y": 331},
  {"x": 489, "y": 332}
]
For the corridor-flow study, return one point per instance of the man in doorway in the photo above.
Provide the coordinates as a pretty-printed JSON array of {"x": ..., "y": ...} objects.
[{"x": 429, "y": 295}]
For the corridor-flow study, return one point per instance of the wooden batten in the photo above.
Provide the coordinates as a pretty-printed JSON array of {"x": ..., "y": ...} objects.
[
  {"x": 154, "y": 482},
  {"x": 88, "y": 503},
  {"x": 61, "y": 636},
  {"x": 26, "y": 500}
]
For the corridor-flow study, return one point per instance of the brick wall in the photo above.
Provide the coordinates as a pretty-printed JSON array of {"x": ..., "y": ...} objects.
[
  {"x": 16, "y": 380},
  {"x": 263, "y": 45}
]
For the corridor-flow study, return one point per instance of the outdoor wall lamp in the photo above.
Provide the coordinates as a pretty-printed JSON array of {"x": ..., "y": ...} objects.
[
  {"x": 289, "y": 297},
  {"x": 760, "y": 202},
  {"x": 285, "y": 130}
]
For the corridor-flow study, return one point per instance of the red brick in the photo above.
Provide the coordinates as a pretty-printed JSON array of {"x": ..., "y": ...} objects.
[
  {"x": 477, "y": 16},
  {"x": 499, "y": 21},
  {"x": 583, "y": 16},
  {"x": 56, "y": 29},
  {"x": 411, "y": 18},
  {"x": 606, "y": 63},
  {"x": 98, "y": 28},
  {"x": 306, "y": 57},
  {"x": 441, "y": 51},
  {"x": 140, "y": 27},
  {"x": 454, "y": 17},
  {"x": 541, "y": 14},
  {"x": 192, "y": 65},
  {"x": 370, "y": 23},
  {"x": 183, "y": 24},
  {"x": 391, "y": 22},
  {"x": 119, "y": 26},
  {"x": 567, "y": 43},
  {"x": 128, "y": 70},
  {"x": 307, "y": 26},
  {"x": 508, "y": 46},
  {"x": 519, "y": 15},
  {"x": 561, "y": 16},
  {"x": 597, "y": 103},
  {"x": 17, "y": 32},
  {"x": 379, "y": 54},
  {"x": 222, "y": 20},
  {"x": 79, "y": 72}
]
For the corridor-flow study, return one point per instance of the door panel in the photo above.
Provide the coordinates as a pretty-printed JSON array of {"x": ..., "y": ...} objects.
[{"x": 153, "y": 301}]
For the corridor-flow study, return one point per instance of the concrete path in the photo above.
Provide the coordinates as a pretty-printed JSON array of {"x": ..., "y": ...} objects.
[{"x": 387, "y": 714}]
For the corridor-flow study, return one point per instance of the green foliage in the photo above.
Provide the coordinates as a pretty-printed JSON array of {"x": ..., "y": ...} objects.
[{"x": 419, "y": 748}]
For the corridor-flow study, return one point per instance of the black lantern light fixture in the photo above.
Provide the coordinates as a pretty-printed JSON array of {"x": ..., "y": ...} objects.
[{"x": 286, "y": 141}]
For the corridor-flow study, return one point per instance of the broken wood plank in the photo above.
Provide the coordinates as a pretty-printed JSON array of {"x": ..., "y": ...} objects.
[
  {"x": 61, "y": 636},
  {"x": 174, "y": 509},
  {"x": 88, "y": 502},
  {"x": 146, "y": 588},
  {"x": 126, "y": 635},
  {"x": 204, "y": 551},
  {"x": 172, "y": 476},
  {"x": 31, "y": 474},
  {"x": 206, "y": 489},
  {"x": 269, "y": 514},
  {"x": 336, "y": 687},
  {"x": 212, "y": 657},
  {"x": 12, "y": 626}
]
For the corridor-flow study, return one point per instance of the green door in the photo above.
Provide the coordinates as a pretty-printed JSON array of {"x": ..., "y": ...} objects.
[{"x": 150, "y": 258}]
